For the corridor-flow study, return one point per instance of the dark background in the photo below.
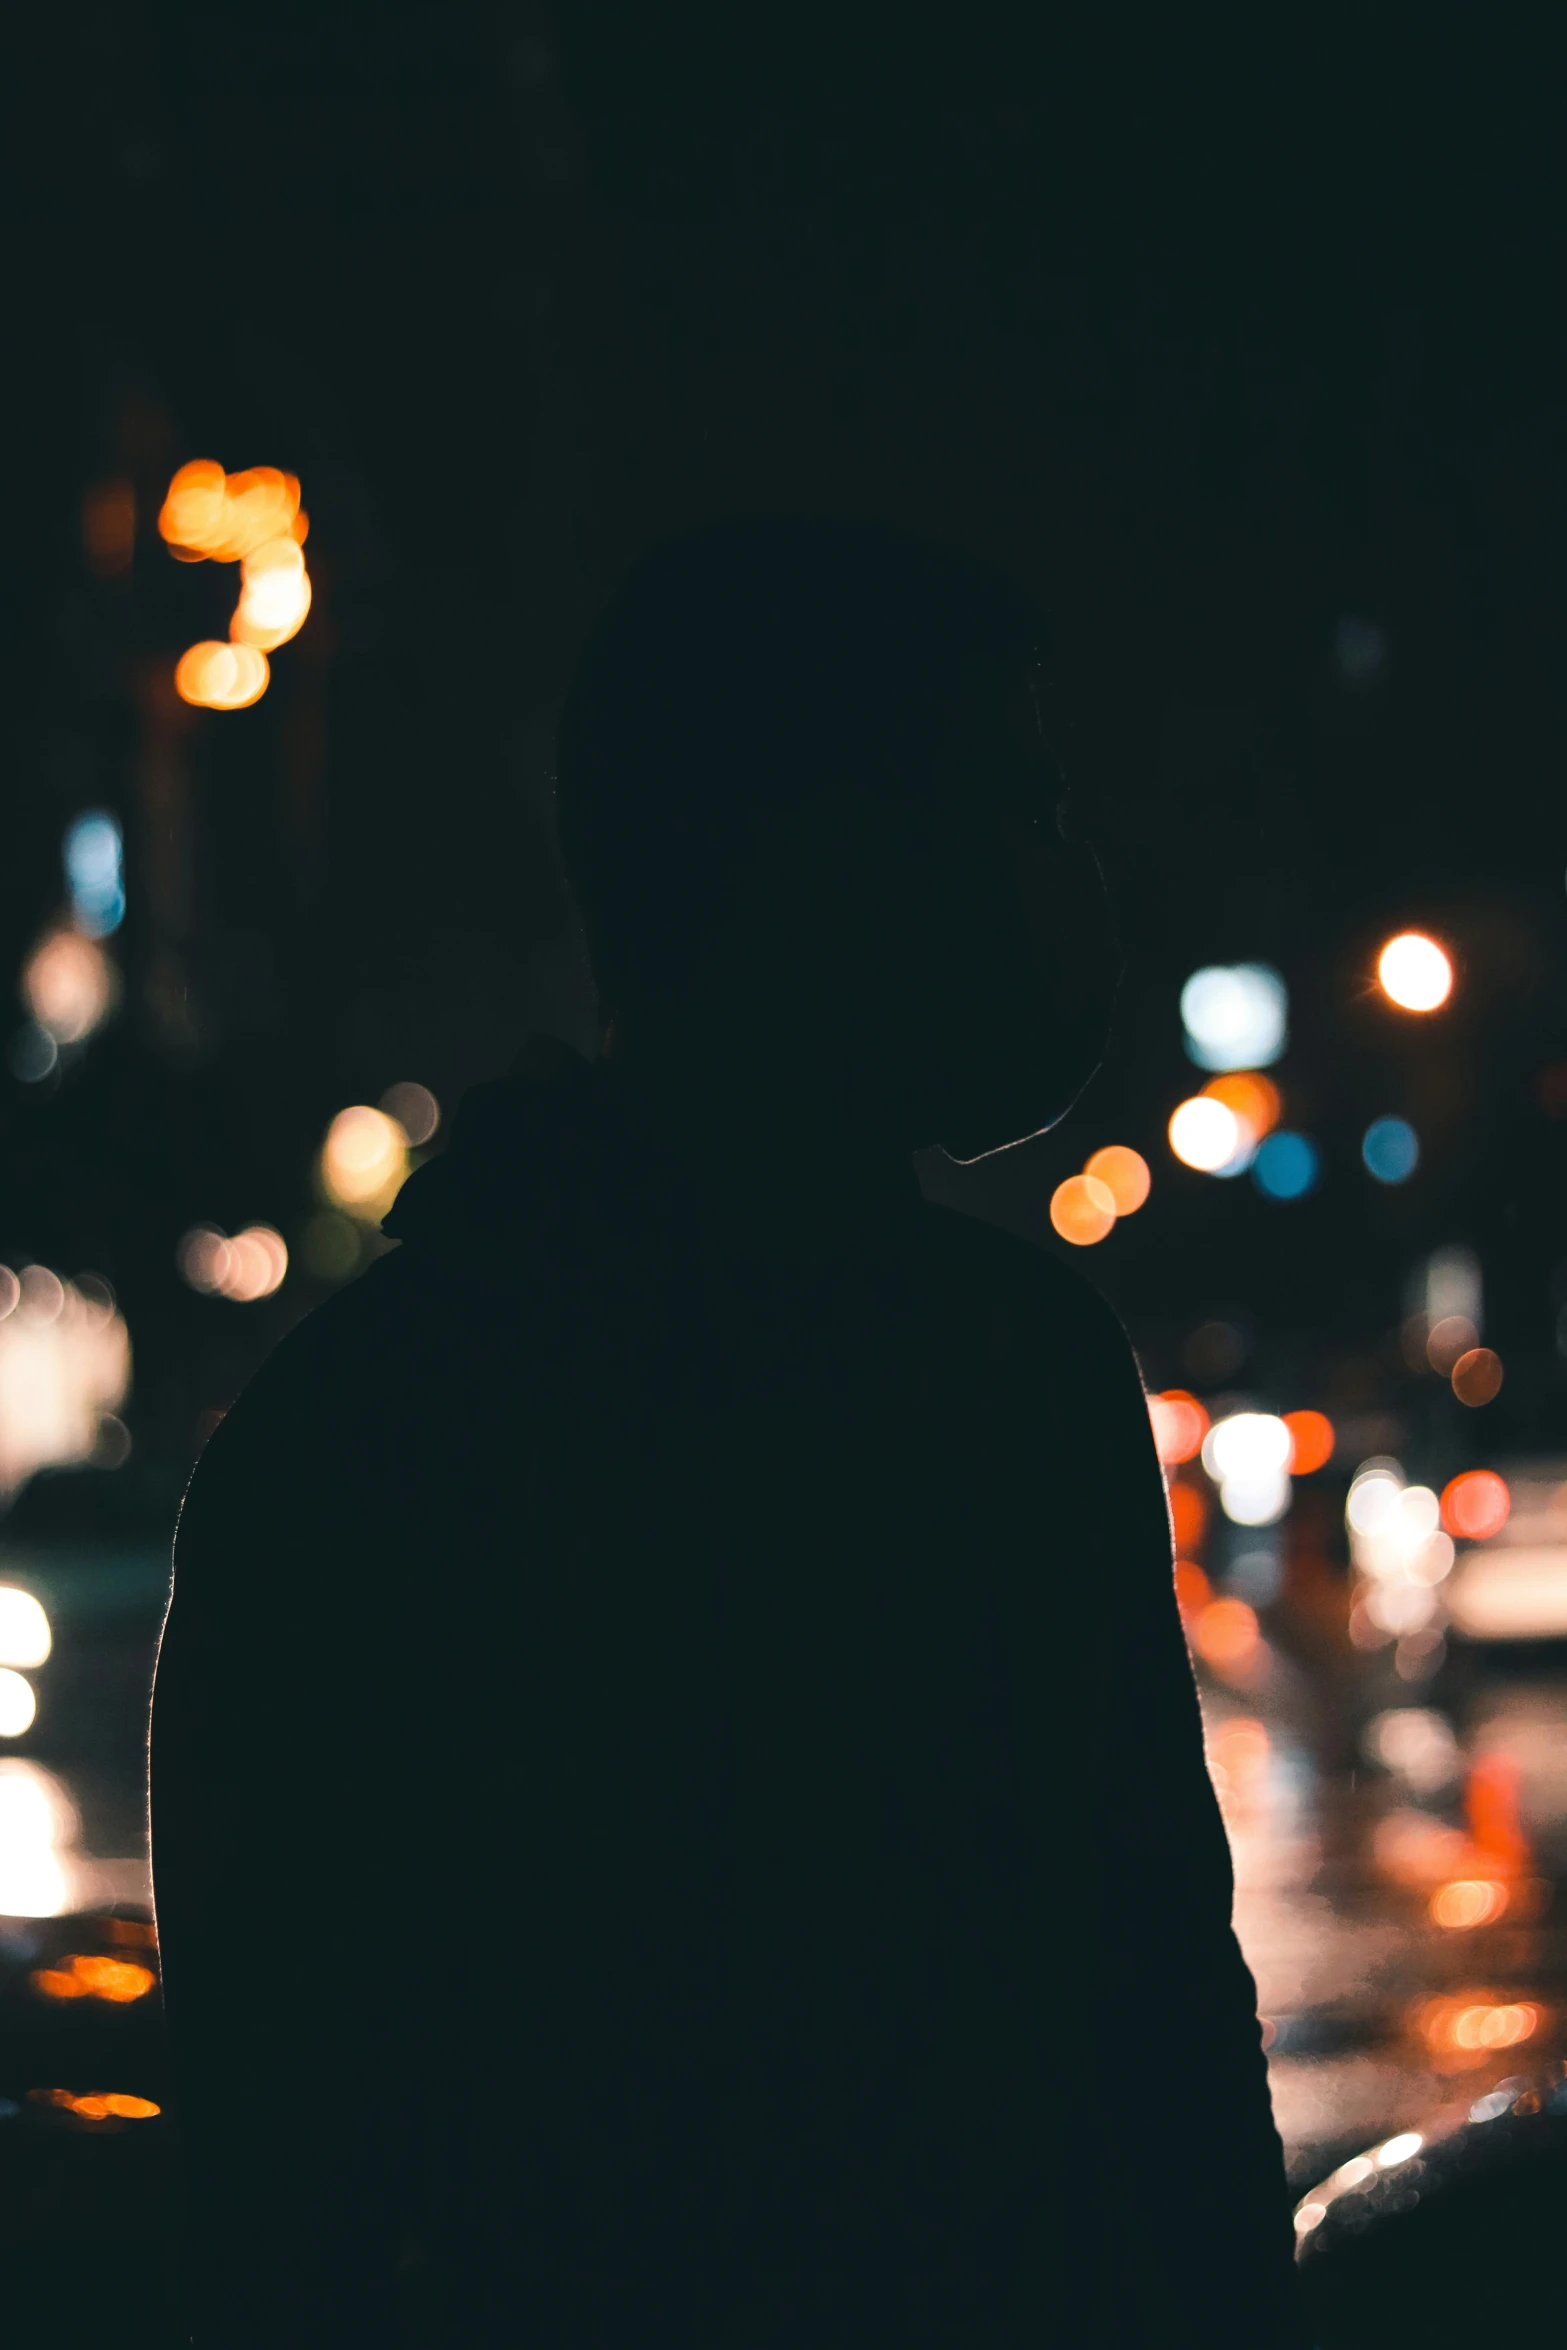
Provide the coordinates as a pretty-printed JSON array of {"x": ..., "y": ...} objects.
[{"x": 1221, "y": 330}]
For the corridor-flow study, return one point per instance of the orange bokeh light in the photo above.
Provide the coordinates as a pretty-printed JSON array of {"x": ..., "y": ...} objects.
[
  {"x": 1476, "y": 1505},
  {"x": 1466, "y": 2029},
  {"x": 1125, "y": 1175},
  {"x": 222, "y": 677},
  {"x": 1193, "y": 1590},
  {"x": 1252, "y": 1100},
  {"x": 99, "y": 2106},
  {"x": 85, "y": 1976},
  {"x": 1188, "y": 1514},
  {"x": 1311, "y": 1441},
  {"x": 1468, "y": 1902},
  {"x": 1477, "y": 1376},
  {"x": 1225, "y": 1634},
  {"x": 1082, "y": 1209},
  {"x": 222, "y": 517},
  {"x": 1179, "y": 1425}
]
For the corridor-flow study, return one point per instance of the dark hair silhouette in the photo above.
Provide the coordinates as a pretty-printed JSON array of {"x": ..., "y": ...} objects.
[{"x": 742, "y": 667}]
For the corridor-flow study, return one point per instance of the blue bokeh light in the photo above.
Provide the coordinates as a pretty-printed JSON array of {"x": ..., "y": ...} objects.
[
  {"x": 1286, "y": 1166},
  {"x": 1391, "y": 1149},
  {"x": 93, "y": 871}
]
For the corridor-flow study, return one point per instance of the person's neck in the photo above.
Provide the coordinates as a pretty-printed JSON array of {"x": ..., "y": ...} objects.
[{"x": 772, "y": 1163}]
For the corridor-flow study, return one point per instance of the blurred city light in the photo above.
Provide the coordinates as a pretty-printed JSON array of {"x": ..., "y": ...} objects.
[
  {"x": 1469, "y": 2028},
  {"x": 224, "y": 517},
  {"x": 69, "y": 985},
  {"x": 1447, "y": 1340},
  {"x": 18, "y": 1705},
  {"x": 365, "y": 1158},
  {"x": 418, "y": 1113},
  {"x": 1285, "y": 1166},
  {"x": 1468, "y": 1902},
  {"x": 25, "y": 1638},
  {"x": 1225, "y": 1634},
  {"x": 99, "y": 2105},
  {"x": 1247, "y": 1454},
  {"x": 1418, "y": 1745},
  {"x": 1188, "y": 1515},
  {"x": 1477, "y": 1376},
  {"x": 1476, "y": 1505},
  {"x": 1390, "y": 1148},
  {"x": 1179, "y": 1425},
  {"x": 117, "y": 1981},
  {"x": 33, "y": 1054},
  {"x": 275, "y": 596},
  {"x": 1235, "y": 1016},
  {"x": 1204, "y": 1134},
  {"x": 39, "y": 1826},
  {"x": 65, "y": 1364},
  {"x": 1124, "y": 1173},
  {"x": 251, "y": 1265},
  {"x": 1082, "y": 1210},
  {"x": 1414, "y": 973},
  {"x": 1256, "y": 1105},
  {"x": 1452, "y": 1286},
  {"x": 93, "y": 872},
  {"x": 221, "y": 677},
  {"x": 1511, "y": 1594},
  {"x": 1311, "y": 1442}
]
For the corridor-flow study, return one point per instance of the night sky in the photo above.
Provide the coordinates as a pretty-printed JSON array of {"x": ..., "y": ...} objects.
[{"x": 1242, "y": 343}]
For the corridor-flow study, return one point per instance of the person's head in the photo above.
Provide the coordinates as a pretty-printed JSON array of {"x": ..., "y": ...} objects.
[{"x": 813, "y": 828}]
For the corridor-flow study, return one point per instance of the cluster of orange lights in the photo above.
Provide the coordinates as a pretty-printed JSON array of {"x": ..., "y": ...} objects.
[
  {"x": 117, "y": 1980},
  {"x": 1226, "y": 1121},
  {"x": 1180, "y": 1422},
  {"x": 253, "y": 519},
  {"x": 110, "y": 2105},
  {"x": 1114, "y": 1183},
  {"x": 1464, "y": 2030}
]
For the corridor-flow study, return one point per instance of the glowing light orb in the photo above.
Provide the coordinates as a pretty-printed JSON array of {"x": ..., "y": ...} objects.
[
  {"x": 1390, "y": 1148},
  {"x": 1286, "y": 1166},
  {"x": 1082, "y": 1209},
  {"x": 1204, "y": 1134},
  {"x": 363, "y": 1161},
  {"x": 1414, "y": 973},
  {"x": 18, "y": 1705},
  {"x": 70, "y": 985},
  {"x": 222, "y": 677},
  {"x": 1179, "y": 1425},
  {"x": 1468, "y": 1902},
  {"x": 25, "y": 1638},
  {"x": 1125, "y": 1174},
  {"x": 275, "y": 596},
  {"x": 93, "y": 851},
  {"x": 1311, "y": 1442},
  {"x": 1477, "y": 1376},
  {"x": 418, "y": 1113},
  {"x": 1476, "y": 1505},
  {"x": 1235, "y": 1016},
  {"x": 1225, "y": 1634}
]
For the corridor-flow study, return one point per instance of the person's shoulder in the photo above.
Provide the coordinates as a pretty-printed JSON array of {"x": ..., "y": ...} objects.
[{"x": 1023, "y": 1297}]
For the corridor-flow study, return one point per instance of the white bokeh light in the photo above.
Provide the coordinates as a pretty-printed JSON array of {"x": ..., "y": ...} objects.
[{"x": 1235, "y": 1015}]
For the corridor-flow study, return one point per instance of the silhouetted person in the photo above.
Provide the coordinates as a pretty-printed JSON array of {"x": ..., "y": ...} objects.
[{"x": 678, "y": 1801}]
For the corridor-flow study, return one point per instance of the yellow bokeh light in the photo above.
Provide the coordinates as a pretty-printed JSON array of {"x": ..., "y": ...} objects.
[
  {"x": 1414, "y": 973},
  {"x": 1254, "y": 1101},
  {"x": 221, "y": 517},
  {"x": 222, "y": 677},
  {"x": 274, "y": 598},
  {"x": 1082, "y": 1209},
  {"x": 1205, "y": 1134},
  {"x": 363, "y": 1161},
  {"x": 1125, "y": 1174},
  {"x": 1468, "y": 1902}
]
